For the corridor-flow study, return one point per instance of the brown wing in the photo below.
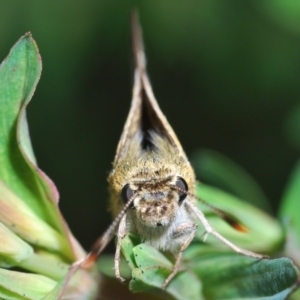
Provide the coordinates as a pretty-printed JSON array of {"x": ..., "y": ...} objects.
[{"x": 145, "y": 113}]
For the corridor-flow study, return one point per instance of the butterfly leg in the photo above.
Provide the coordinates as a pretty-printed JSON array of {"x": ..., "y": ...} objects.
[
  {"x": 210, "y": 230},
  {"x": 185, "y": 229},
  {"x": 120, "y": 235}
]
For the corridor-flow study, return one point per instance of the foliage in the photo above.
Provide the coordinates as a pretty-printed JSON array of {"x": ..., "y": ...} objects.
[
  {"x": 37, "y": 248},
  {"x": 209, "y": 267},
  {"x": 35, "y": 238}
]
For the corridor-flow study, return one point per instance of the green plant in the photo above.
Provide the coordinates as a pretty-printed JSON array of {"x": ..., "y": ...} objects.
[
  {"x": 37, "y": 248},
  {"x": 210, "y": 271}
]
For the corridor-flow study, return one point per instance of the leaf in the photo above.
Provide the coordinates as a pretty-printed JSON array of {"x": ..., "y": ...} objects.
[
  {"x": 223, "y": 275},
  {"x": 57, "y": 292},
  {"x": 20, "y": 219},
  {"x": 219, "y": 170},
  {"x": 268, "y": 240},
  {"x": 24, "y": 285},
  {"x": 148, "y": 257},
  {"x": 291, "y": 126},
  {"x": 19, "y": 75},
  {"x": 285, "y": 13},
  {"x": 290, "y": 204},
  {"x": 13, "y": 249},
  {"x": 127, "y": 245},
  {"x": 150, "y": 268},
  {"x": 105, "y": 265},
  {"x": 28, "y": 198},
  {"x": 154, "y": 268},
  {"x": 289, "y": 213},
  {"x": 45, "y": 263},
  {"x": 232, "y": 276},
  {"x": 235, "y": 276},
  {"x": 77, "y": 284}
]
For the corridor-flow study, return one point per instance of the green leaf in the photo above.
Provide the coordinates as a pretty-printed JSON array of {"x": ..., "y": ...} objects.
[
  {"x": 19, "y": 75},
  {"x": 290, "y": 204},
  {"x": 291, "y": 126},
  {"x": 20, "y": 219},
  {"x": 289, "y": 213},
  {"x": 150, "y": 268},
  {"x": 24, "y": 285},
  {"x": 77, "y": 284},
  {"x": 127, "y": 245},
  {"x": 28, "y": 198},
  {"x": 60, "y": 288},
  {"x": 232, "y": 276},
  {"x": 263, "y": 241},
  {"x": 45, "y": 263},
  {"x": 154, "y": 268},
  {"x": 217, "y": 169},
  {"x": 222, "y": 275},
  {"x": 148, "y": 257},
  {"x": 210, "y": 265},
  {"x": 105, "y": 265},
  {"x": 285, "y": 13},
  {"x": 13, "y": 250}
]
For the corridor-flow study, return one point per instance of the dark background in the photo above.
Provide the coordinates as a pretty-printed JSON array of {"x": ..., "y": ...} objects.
[{"x": 226, "y": 74}]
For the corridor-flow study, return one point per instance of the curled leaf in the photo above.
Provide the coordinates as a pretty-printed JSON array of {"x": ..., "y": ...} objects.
[
  {"x": 266, "y": 241},
  {"x": 220, "y": 171}
]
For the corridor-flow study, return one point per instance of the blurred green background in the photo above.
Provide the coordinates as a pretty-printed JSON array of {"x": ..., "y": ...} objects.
[{"x": 226, "y": 74}]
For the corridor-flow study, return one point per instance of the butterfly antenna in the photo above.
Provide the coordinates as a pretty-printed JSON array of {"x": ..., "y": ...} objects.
[{"x": 103, "y": 240}]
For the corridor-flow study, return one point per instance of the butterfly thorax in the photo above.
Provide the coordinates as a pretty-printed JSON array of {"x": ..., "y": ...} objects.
[
  {"x": 152, "y": 172},
  {"x": 152, "y": 175}
]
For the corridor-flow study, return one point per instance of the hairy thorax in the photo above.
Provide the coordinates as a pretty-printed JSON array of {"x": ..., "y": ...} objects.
[{"x": 156, "y": 209}]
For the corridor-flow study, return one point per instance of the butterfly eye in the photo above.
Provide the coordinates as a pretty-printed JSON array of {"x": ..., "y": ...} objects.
[
  {"x": 181, "y": 183},
  {"x": 127, "y": 194}
]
